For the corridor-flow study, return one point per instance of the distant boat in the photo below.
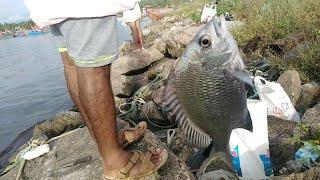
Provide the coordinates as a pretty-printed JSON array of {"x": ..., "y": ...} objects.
[
  {"x": 157, "y": 13},
  {"x": 35, "y": 32}
]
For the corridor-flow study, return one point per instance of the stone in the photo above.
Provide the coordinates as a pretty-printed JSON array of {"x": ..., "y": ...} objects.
[
  {"x": 282, "y": 147},
  {"x": 219, "y": 174},
  {"x": 310, "y": 128},
  {"x": 75, "y": 157},
  {"x": 177, "y": 38},
  {"x": 150, "y": 113},
  {"x": 135, "y": 61},
  {"x": 146, "y": 32},
  {"x": 293, "y": 54},
  {"x": 311, "y": 174},
  {"x": 125, "y": 48},
  {"x": 170, "y": 19},
  {"x": 310, "y": 93},
  {"x": 273, "y": 74},
  {"x": 286, "y": 44},
  {"x": 159, "y": 45},
  {"x": 62, "y": 122},
  {"x": 157, "y": 97},
  {"x": 179, "y": 146},
  {"x": 295, "y": 166},
  {"x": 163, "y": 68},
  {"x": 125, "y": 86},
  {"x": 291, "y": 83},
  {"x": 252, "y": 45}
]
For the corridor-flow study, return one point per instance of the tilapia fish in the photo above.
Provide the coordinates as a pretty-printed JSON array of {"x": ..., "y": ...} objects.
[{"x": 205, "y": 91}]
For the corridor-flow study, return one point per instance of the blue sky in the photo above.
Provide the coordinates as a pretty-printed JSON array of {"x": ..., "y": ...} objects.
[{"x": 13, "y": 11}]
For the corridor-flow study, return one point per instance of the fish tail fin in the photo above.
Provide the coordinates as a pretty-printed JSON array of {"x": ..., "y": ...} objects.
[{"x": 215, "y": 156}]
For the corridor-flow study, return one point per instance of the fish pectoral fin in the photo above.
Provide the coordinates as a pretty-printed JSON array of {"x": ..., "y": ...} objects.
[
  {"x": 242, "y": 76},
  {"x": 247, "y": 122}
]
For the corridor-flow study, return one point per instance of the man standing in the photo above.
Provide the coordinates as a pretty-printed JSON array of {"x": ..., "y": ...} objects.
[
  {"x": 131, "y": 17},
  {"x": 89, "y": 31}
]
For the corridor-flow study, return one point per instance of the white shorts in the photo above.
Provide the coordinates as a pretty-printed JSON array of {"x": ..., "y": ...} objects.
[{"x": 132, "y": 15}]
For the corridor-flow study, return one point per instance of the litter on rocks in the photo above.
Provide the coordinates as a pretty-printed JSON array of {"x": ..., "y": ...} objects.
[
  {"x": 278, "y": 102},
  {"x": 308, "y": 154},
  {"x": 36, "y": 152}
]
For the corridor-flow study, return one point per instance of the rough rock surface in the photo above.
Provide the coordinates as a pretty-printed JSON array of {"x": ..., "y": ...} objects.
[
  {"x": 162, "y": 67},
  {"x": 311, "y": 124},
  {"x": 282, "y": 148},
  {"x": 311, "y": 174},
  {"x": 177, "y": 38},
  {"x": 127, "y": 72},
  {"x": 219, "y": 174},
  {"x": 134, "y": 61},
  {"x": 62, "y": 122},
  {"x": 291, "y": 83},
  {"x": 310, "y": 92},
  {"x": 125, "y": 86},
  {"x": 160, "y": 45},
  {"x": 75, "y": 157},
  {"x": 292, "y": 166}
]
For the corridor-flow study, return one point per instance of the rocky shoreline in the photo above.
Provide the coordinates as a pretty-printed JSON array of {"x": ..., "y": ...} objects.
[{"x": 138, "y": 79}]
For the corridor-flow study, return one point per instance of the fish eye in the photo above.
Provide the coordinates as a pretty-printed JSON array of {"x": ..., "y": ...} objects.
[{"x": 205, "y": 41}]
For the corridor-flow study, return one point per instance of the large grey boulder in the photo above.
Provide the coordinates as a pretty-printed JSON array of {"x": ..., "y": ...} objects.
[
  {"x": 310, "y": 128},
  {"x": 128, "y": 72},
  {"x": 134, "y": 61},
  {"x": 282, "y": 147},
  {"x": 125, "y": 86},
  {"x": 310, "y": 92},
  {"x": 75, "y": 157},
  {"x": 291, "y": 83}
]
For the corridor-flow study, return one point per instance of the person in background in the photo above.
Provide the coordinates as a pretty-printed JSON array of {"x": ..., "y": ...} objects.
[
  {"x": 132, "y": 18},
  {"x": 88, "y": 29}
]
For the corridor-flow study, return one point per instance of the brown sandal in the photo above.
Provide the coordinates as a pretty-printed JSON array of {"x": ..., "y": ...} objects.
[
  {"x": 147, "y": 167},
  {"x": 130, "y": 133}
]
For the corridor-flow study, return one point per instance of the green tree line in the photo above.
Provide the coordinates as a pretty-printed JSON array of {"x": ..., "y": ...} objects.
[{"x": 13, "y": 26}]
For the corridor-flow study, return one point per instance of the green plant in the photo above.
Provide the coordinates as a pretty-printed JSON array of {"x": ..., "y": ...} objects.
[{"x": 278, "y": 19}]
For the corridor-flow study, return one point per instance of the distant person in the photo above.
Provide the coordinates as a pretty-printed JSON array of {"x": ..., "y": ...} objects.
[
  {"x": 132, "y": 18},
  {"x": 87, "y": 38}
]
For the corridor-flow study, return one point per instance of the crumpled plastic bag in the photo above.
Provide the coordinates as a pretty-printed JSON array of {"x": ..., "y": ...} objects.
[
  {"x": 278, "y": 102},
  {"x": 208, "y": 12}
]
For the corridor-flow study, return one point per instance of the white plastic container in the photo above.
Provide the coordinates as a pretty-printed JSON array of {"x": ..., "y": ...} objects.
[{"x": 250, "y": 150}]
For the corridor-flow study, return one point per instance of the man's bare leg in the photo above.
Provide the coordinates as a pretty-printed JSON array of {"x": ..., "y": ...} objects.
[
  {"x": 98, "y": 104},
  {"x": 72, "y": 85},
  {"x": 140, "y": 35},
  {"x": 135, "y": 35}
]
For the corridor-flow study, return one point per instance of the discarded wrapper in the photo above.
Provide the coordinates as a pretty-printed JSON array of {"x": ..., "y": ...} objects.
[{"x": 36, "y": 152}]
